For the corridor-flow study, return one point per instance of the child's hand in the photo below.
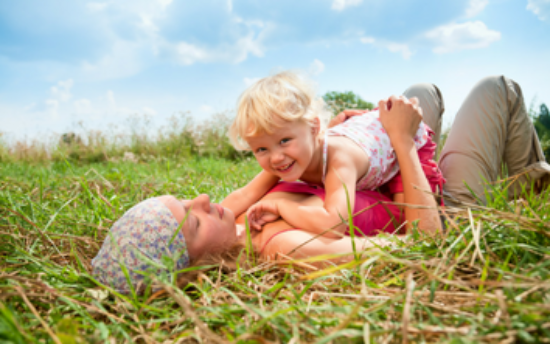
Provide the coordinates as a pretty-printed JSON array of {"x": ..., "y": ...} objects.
[
  {"x": 261, "y": 213},
  {"x": 344, "y": 116},
  {"x": 400, "y": 116}
]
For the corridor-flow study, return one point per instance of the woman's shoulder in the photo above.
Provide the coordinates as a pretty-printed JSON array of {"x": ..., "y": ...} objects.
[{"x": 269, "y": 235}]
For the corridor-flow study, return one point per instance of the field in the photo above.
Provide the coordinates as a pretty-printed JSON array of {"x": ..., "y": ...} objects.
[{"x": 486, "y": 279}]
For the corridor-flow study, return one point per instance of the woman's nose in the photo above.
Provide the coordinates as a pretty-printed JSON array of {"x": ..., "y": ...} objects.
[{"x": 202, "y": 201}]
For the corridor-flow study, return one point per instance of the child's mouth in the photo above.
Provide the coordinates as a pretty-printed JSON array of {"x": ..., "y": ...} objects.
[{"x": 285, "y": 168}]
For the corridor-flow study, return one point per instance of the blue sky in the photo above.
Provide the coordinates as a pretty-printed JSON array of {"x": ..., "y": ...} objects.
[{"x": 101, "y": 62}]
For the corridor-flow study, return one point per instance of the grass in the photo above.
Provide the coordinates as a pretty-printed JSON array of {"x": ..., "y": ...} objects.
[{"x": 486, "y": 279}]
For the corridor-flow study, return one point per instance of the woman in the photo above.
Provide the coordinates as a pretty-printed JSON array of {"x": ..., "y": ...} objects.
[{"x": 493, "y": 116}]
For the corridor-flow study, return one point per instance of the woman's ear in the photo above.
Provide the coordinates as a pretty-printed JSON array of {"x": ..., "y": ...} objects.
[{"x": 316, "y": 126}]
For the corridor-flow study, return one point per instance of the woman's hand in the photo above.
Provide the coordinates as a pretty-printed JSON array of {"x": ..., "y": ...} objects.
[
  {"x": 400, "y": 117},
  {"x": 344, "y": 116},
  {"x": 261, "y": 213}
]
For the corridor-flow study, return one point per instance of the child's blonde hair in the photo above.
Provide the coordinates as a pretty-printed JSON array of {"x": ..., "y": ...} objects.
[{"x": 285, "y": 95}]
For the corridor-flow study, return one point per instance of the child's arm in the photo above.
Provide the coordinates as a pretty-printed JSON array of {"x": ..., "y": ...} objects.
[
  {"x": 342, "y": 171},
  {"x": 241, "y": 199},
  {"x": 400, "y": 118}
]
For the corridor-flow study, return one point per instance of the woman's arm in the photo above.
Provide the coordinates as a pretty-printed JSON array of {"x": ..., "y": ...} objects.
[
  {"x": 401, "y": 117},
  {"x": 301, "y": 244}
]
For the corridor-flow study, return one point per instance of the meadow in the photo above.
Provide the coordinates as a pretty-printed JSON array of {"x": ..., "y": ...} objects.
[{"x": 485, "y": 279}]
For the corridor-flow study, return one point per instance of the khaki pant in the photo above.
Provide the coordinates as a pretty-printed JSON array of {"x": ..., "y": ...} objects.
[{"x": 491, "y": 131}]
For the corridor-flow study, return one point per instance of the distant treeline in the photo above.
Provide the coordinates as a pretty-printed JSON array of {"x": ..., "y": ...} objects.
[
  {"x": 542, "y": 125},
  {"x": 180, "y": 139}
]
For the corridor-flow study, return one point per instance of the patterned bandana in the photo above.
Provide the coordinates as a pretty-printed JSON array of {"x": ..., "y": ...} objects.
[{"x": 140, "y": 241}]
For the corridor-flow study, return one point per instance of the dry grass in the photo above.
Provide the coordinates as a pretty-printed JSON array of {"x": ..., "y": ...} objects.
[{"x": 484, "y": 280}]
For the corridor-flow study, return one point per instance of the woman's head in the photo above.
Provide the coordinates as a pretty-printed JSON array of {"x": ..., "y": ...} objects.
[
  {"x": 150, "y": 239},
  {"x": 283, "y": 97},
  {"x": 208, "y": 227}
]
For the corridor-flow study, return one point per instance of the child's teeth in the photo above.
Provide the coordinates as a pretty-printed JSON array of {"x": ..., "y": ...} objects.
[{"x": 285, "y": 167}]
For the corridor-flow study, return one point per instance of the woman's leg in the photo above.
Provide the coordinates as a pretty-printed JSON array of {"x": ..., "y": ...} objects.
[
  {"x": 432, "y": 105},
  {"x": 492, "y": 129}
]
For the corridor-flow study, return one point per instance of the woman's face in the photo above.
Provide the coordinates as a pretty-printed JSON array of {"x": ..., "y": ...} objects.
[{"x": 209, "y": 228}]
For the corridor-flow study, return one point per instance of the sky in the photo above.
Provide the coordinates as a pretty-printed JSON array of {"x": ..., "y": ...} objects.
[{"x": 103, "y": 63}]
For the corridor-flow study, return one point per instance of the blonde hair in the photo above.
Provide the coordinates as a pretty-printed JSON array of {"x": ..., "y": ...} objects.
[{"x": 286, "y": 96}]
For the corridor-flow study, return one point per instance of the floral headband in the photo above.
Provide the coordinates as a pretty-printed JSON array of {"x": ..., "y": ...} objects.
[{"x": 139, "y": 242}]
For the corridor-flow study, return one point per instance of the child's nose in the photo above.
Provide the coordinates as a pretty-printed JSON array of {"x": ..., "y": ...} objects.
[{"x": 277, "y": 157}]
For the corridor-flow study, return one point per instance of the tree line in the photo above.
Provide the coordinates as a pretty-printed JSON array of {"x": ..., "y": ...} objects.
[{"x": 541, "y": 120}]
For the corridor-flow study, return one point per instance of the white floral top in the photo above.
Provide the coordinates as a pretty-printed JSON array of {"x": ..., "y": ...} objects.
[{"x": 367, "y": 131}]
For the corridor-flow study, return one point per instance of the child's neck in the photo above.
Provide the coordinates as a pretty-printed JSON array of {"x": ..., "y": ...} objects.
[{"x": 314, "y": 172}]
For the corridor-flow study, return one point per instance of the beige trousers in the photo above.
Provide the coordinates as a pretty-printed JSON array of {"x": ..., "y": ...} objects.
[{"x": 491, "y": 133}]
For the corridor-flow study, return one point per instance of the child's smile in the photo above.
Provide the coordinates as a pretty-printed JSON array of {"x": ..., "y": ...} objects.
[{"x": 288, "y": 151}]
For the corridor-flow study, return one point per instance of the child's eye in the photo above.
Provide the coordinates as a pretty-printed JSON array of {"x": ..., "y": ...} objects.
[
  {"x": 285, "y": 140},
  {"x": 259, "y": 150}
]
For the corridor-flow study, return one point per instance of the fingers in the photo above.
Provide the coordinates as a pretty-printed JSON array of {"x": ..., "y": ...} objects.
[
  {"x": 252, "y": 218},
  {"x": 340, "y": 118},
  {"x": 400, "y": 101},
  {"x": 383, "y": 105},
  {"x": 344, "y": 116}
]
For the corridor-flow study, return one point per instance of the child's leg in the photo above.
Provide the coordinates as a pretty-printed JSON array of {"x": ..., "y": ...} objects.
[
  {"x": 431, "y": 103},
  {"x": 491, "y": 128}
]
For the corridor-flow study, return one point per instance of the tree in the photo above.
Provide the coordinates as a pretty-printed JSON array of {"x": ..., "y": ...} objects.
[
  {"x": 339, "y": 101},
  {"x": 542, "y": 126}
]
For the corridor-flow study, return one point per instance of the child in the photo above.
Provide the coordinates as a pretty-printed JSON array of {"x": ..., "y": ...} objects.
[{"x": 283, "y": 124}]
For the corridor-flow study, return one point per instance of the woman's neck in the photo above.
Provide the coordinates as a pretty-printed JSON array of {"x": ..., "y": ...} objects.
[{"x": 241, "y": 232}]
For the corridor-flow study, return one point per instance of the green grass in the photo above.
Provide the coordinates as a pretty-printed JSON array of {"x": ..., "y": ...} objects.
[{"x": 485, "y": 280}]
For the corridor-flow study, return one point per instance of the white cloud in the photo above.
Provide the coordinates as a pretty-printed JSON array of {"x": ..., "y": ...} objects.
[
  {"x": 83, "y": 106},
  {"x": 129, "y": 54},
  {"x": 30, "y": 107},
  {"x": 475, "y": 7},
  {"x": 456, "y": 37},
  {"x": 206, "y": 109},
  {"x": 111, "y": 98},
  {"x": 316, "y": 67},
  {"x": 339, "y": 5},
  {"x": 164, "y": 3},
  {"x": 541, "y": 8},
  {"x": 236, "y": 52},
  {"x": 402, "y": 49},
  {"x": 149, "y": 111},
  {"x": 148, "y": 25},
  {"x": 62, "y": 91},
  {"x": 52, "y": 107},
  {"x": 124, "y": 59},
  {"x": 188, "y": 54},
  {"x": 393, "y": 47},
  {"x": 367, "y": 40},
  {"x": 96, "y": 6},
  {"x": 250, "y": 81}
]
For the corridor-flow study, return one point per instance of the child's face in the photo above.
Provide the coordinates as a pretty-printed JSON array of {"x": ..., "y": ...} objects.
[{"x": 288, "y": 151}]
